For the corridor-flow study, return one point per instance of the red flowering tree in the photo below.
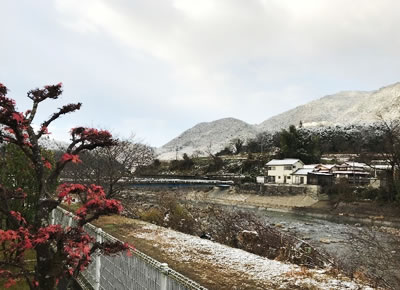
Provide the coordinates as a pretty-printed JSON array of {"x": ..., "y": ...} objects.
[{"x": 61, "y": 253}]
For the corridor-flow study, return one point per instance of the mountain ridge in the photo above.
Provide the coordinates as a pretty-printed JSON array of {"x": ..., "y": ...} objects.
[{"x": 342, "y": 108}]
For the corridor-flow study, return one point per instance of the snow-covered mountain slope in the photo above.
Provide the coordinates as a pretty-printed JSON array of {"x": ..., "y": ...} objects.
[
  {"x": 52, "y": 144},
  {"x": 343, "y": 108},
  {"x": 349, "y": 107},
  {"x": 207, "y": 136}
]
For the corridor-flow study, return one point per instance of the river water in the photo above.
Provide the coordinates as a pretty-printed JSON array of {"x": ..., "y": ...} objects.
[{"x": 356, "y": 248}]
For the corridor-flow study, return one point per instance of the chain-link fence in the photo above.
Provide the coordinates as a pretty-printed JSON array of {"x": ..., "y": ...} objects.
[{"x": 138, "y": 271}]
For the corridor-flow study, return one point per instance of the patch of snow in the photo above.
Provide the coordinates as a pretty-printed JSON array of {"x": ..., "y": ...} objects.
[{"x": 193, "y": 249}]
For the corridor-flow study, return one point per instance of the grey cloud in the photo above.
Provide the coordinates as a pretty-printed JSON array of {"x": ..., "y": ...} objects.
[{"x": 159, "y": 67}]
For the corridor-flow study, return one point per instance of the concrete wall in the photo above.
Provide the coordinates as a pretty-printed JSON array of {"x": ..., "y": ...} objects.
[{"x": 281, "y": 189}]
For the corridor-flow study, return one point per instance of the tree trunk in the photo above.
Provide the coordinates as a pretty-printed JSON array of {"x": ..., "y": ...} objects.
[{"x": 45, "y": 267}]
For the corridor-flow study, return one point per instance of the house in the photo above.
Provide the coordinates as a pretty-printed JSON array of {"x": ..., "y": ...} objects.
[
  {"x": 260, "y": 179},
  {"x": 354, "y": 172},
  {"x": 280, "y": 170},
  {"x": 294, "y": 171},
  {"x": 320, "y": 178},
  {"x": 300, "y": 175},
  {"x": 324, "y": 168}
]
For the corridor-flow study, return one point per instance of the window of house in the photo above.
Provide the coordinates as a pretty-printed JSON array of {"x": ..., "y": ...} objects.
[
  {"x": 279, "y": 177},
  {"x": 271, "y": 167},
  {"x": 288, "y": 167},
  {"x": 288, "y": 177}
]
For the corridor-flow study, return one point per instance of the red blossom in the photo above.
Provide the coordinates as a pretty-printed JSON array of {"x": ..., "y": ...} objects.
[
  {"x": 66, "y": 189},
  {"x": 19, "y": 117},
  {"x": 20, "y": 193},
  {"x": 44, "y": 130},
  {"x": 47, "y": 164},
  {"x": 93, "y": 136},
  {"x": 100, "y": 206},
  {"x": 9, "y": 276},
  {"x": 18, "y": 216},
  {"x": 129, "y": 248},
  {"x": 9, "y": 130},
  {"x": 10, "y": 282},
  {"x": 71, "y": 157},
  {"x": 3, "y": 90},
  {"x": 48, "y": 92},
  {"x": 8, "y": 235},
  {"x": 96, "y": 201},
  {"x": 45, "y": 233}
]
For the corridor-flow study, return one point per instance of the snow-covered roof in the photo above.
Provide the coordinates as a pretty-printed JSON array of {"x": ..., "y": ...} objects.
[
  {"x": 356, "y": 164},
  {"x": 350, "y": 172},
  {"x": 286, "y": 161},
  {"x": 312, "y": 166},
  {"x": 321, "y": 173},
  {"x": 381, "y": 166},
  {"x": 302, "y": 171},
  {"x": 328, "y": 166}
]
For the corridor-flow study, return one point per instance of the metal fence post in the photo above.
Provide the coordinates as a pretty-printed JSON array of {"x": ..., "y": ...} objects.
[
  {"x": 164, "y": 274},
  {"x": 99, "y": 238},
  {"x": 53, "y": 218},
  {"x": 70, "y": 221}
]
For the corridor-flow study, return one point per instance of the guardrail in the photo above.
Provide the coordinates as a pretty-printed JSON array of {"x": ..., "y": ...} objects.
[
  {"x": 181, "y": 181},
  {"x": 121, "y": 271}
]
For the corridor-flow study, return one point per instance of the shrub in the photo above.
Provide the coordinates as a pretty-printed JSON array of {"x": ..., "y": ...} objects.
[{"x": 152, "y": 215}]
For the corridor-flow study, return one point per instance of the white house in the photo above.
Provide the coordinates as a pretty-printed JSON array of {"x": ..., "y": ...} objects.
[{"x": 280, "y": 170}]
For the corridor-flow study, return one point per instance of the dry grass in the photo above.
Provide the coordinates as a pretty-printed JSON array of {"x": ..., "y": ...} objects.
[
  {"x": 21, "y": 284},
  {"x": 303, "y": 272}
]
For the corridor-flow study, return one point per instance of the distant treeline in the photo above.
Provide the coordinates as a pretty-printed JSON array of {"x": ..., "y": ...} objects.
[{"x": 308, "y": 144}]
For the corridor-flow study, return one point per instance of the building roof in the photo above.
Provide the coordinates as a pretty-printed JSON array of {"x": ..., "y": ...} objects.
[
  {"x": 302, "y": 171},
  {"x": 321, "y": 173},
  {"x": 381, "y": 166},
  {"x": 355, "y": 164},
  {"x": 350, "y": 172},
  {"x": 287, "y": 161},
  {"x": 328, "y": 166},
  {"x": 312, "y": 166}
]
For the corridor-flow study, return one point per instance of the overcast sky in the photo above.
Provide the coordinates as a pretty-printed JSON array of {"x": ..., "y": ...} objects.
[{"x": 158, "y": 67}]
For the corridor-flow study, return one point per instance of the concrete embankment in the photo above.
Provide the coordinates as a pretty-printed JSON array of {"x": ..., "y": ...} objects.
[
  {"x": 233, "y": 197},
  {"x": 308, "y": 204},
  {"x": 271, "y": 189}
]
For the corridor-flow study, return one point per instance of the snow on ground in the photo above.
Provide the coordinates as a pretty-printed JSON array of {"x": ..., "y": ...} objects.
[{"x": 195, "y": 250}]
